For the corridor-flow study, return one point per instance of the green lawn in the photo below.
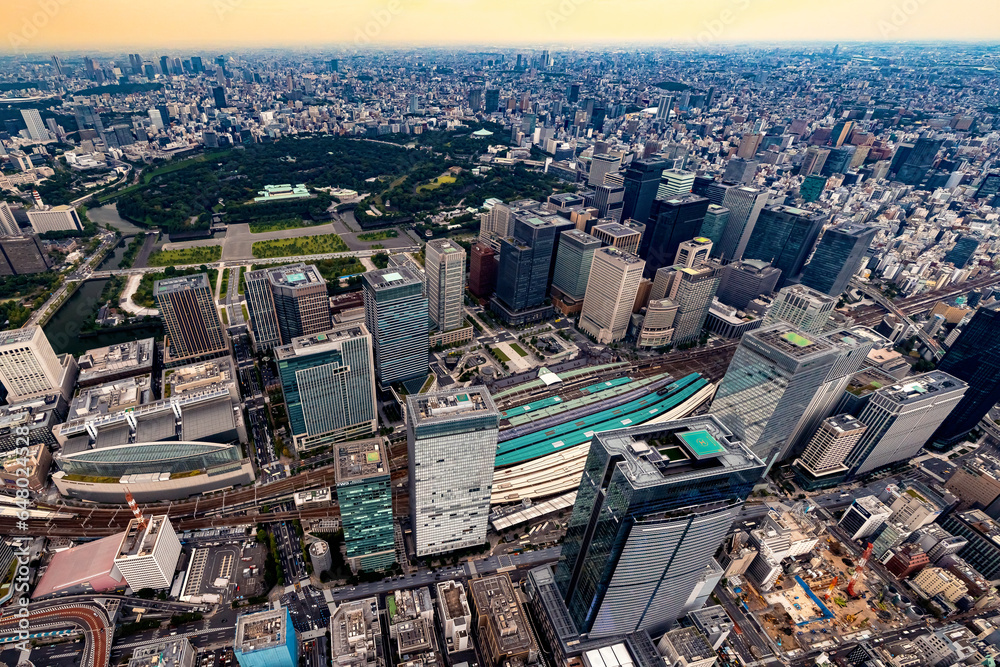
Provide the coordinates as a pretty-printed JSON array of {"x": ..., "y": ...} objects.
[
  {"x": 437, "y": 182},
  {"x": 182, "y": 256},
  {"x": 380, "y": 235},
  {"x": 304, "y": 245},
  {"x": 277, "y": 225},
  {"x": 517, "y": 348},
  {"x": 500, "y": 355}
]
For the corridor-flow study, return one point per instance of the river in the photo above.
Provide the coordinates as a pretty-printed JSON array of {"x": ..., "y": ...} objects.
[
  {"x": 63, "y": 330},
  {"x": 114, "y": 258},
  {"x": 108, "y": 215}
]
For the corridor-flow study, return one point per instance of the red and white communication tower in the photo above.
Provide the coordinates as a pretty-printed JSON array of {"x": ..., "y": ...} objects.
[
  {"x": 860, "y": 569},
  {"x": 134, "y": 506}
]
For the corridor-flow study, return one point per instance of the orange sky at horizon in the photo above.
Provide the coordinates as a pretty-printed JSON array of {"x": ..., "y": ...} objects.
[{"x": 109, "y": 25}]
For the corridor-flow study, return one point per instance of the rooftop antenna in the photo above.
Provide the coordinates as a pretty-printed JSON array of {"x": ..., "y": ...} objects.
[{"x": 135, "y": 509}]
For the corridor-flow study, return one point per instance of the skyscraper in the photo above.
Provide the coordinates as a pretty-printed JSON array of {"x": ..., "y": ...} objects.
[
  {"x": 642, "y": 179},
  {"x": 609, "y": 200},
  {"x": 36, "y": 128},
  {"x": 974, "y": 359},
  {"x": 219, "y": 96},
  {"x": 745, "y": 205},
  {"x": 623, "y": 236},
  {"x": 573, "y": 262},
  {"x": 482, "y": 270},
  {"x": 693, "y": 290},
  {"x": 911, "y": 163},
  {"x": 190, "y": 316},
  {"x": 802, "y": 307},
  {"x": 364, "y": 494},
  {"x": 8, "y": 223},
  {"x": 601, "y": 165},
  {"x": 742, "y": 282},
  {"x": 397, "y": 318},
  {"x": 674, "y": 182},
  {"x": 671, "y": 222},
  {"x": 328, "y": 380},
  {"x": 772, "y": 380},
  {"x": 962, "y": 252},
  {"x": 525, "y": 264},
  {"x": 266, "y": 639},
  {"x": 784, "y": 236},
  {"x": 749, "y": 144},
  {"x": 740, "y": 171},
  {"x": 452, "y": 441},
  {"x": 714, "y": 226},
  {"x": 444, "y": 268},
  {"x": 285, "y": 302},
  {"x": 902, "y": 418},
  {"x": 822, "y": 462},
  {"x": 838, "y": 258},
  {"x": 496, "y": 224},
  {"x": 611, "y": 289},
  {"x": 653, "y": 505},
  {"x": 29, "y": 367},
  {"x": 693, "y": 253}
]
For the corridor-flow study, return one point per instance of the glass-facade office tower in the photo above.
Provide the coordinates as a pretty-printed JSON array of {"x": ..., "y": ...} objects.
[
  {"x": 654, "y": 504},
  {"x": 911, "y": 162},
  {"x": 396, "y": 316},
  {"x": 285, "y": 302},
  {"x": 482, "y": 270},
  {"x": 573, "y": 261},
  {"x": 784, "y": 236},
  {"x": 745, "y": 206},
  {"x": 189, "y": 315},
  {"x": 328, "y": 380},
  {"x": 974, "y": 358},
  {"x": 802, "y": 307},
  {"x": 901, "y": 418},
  {"x": 773, "y": 379},
  {"x": 452, "y": 443},
  {"x": 837, "y": 258},
  {"x": 642, "y": 179},
  {"x": 364, "y": 494},
  {"x": 523, "y": 277},
  {"x": 266, "y": 639},
  {"x": 961, "y": 254},
  {"x": 693, "y": 290},
  {"x": 714, "y": 226},
  {"x": 744, "y": 281},
  {"x": 445, "y": 272},
  {"x": 671, "y": 223},
  {"x": 611, "y": 290}
]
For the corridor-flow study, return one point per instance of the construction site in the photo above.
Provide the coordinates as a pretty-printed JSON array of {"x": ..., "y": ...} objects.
[{"x": 804, "y": 588}]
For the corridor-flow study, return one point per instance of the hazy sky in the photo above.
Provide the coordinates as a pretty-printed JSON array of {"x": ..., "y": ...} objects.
[{"x": 56, "y": 25}]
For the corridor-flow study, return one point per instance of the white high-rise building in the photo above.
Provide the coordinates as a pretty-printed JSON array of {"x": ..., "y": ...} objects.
[
  {"x": 444, "y": 275},
  {"x": 611, "y": 289},
  {"x": 8, "y": 223},
  {"x": 452, "y": 443},
  {"x": 496, "y": 224},
  {"x": 147, "y": 557},
  {"x": 674, "y": 182},
  {"x": 601, "y": 165},
  {"x": 54, "y": 218},
  {"x": 36, "y": 128},
  {"x": 802, "y": 307},
  {"x": 29, "y": 367},
  {"x": 693, "y": 253},
  {"x": 832, "y": 442}
]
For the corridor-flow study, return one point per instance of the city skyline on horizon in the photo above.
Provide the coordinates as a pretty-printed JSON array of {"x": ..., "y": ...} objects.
[{"x": 62, "y": 25}]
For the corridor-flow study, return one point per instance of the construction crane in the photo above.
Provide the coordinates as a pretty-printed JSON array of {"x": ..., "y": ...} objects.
[
  {"x": 859, "y": 570},
  {"x": 829, "y": 591}
]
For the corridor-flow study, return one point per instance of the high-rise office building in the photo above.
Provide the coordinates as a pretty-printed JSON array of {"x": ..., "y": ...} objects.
[
  {"x": 692, "y": 290},
  {"x": 740, "y": 171},
  {"x": 190, "y": 316},
  {"x": 742, "y": 282},
  {"x": 654, "y": 504},
  {"x": 785, "y": 237},
  {"x": 285, "y": 302},
  {"x": 658, "y": 324},
  {"x": 328, "y": 380},
  {"x": 745, "y": 205},
  {"x": 911, "y": 163},
  {"x": 609, "y": 199},
  {"x": 674, "y": 182},
  {"x": 902, "y": 418},
  {"x": 961, "y": 254},
  {"x": 714, "y": 226},
  {"x": 364, "y": 495},
  {"x": 812, "y": 163},
  {"x": 838, "y": 258},
  {"x": 482, "y": 270},
  {"x": 838, "y": 161},
  {"x": 219, "y": 96},
  {"x": 622, "y": 236},
  {"x": 611, "y": 290},
  {"x": 841, "y": 132},
  {"x": 30, "y": 368},
  {"x": 148, "y": 553},
  {"x": 671, "y": 222},
  {"x": 974, "y": 358},
  {"x": 664, "y": 107},
  {"x": 824, "y": 456},
  {"x": 749, "y": 144},
  {"x": 812, "y": 187},
  {"x": 452, "y": 441},
  {"x": 492, "y": 100},
  {"x": 495, "y": 224},
  {"x": 642, "y": 179},
  {"x": 693, "y": 253},
  {"x": 526, "y": 258},
  {"x": 573, "y": 261},
  {"x": 802, "y": 307},
  {"x": 444, "y": 268},
  {"x": 601, "y": 165},
  {"x": 396, "y": 315},
  {"x": 36, "y": 128},
  {"x": 773, "y": 379},
  {"x": 8, "y": 223},
  {"x": 267, "y": 639}
]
